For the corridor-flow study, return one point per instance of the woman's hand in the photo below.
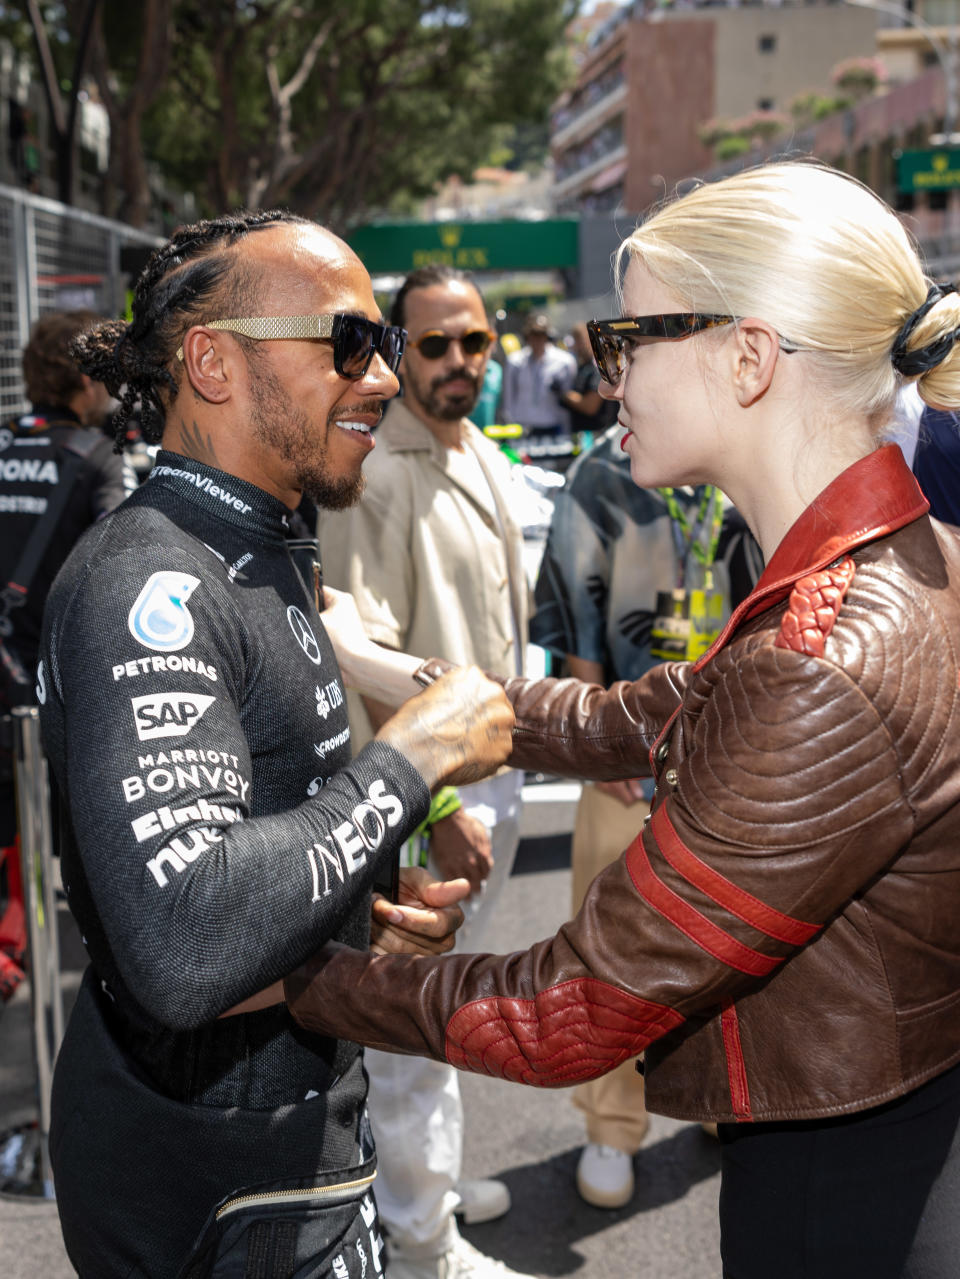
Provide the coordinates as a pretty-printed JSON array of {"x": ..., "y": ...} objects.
[
  {"x": 343, "y": 624},
  {"x": 425, "y": 919},
  {"x": 372, "y": 670}
]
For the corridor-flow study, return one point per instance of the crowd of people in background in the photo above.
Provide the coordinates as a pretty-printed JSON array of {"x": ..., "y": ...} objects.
[{"x": 633, "y": 574}]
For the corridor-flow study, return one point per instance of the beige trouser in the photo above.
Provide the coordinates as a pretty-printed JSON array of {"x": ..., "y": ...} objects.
[{"x": 613, "y": 1104}]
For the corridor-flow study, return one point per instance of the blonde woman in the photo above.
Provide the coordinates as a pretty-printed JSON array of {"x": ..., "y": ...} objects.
[{"x": 780, "y": 939}]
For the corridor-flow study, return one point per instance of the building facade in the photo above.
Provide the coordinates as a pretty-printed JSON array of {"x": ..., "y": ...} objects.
[{"x": 655, "y": 75}]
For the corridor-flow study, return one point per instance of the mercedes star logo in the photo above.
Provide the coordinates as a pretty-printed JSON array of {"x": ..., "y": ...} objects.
[{"x": 303, "y": 634}]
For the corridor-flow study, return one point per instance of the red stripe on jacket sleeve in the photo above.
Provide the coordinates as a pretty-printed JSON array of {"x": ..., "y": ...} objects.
[
  {"x": 576, "y": 1030},
  {"x": 697, "y": 927},
  {"x": 726, "y": 894}
]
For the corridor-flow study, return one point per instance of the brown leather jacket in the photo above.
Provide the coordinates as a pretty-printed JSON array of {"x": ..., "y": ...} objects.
[{"x": 781, "y": 939}]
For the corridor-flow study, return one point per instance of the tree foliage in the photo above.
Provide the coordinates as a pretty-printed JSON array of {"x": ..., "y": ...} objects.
[{"x": 335, "y": 108}]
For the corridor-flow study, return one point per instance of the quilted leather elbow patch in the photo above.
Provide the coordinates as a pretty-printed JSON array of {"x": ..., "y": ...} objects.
[
  {"x": 571, "y": 1032},
  {"x": 814, "y": 605}
]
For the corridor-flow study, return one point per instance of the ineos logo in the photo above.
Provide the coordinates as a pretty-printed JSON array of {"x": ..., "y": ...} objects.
[{"x": 303, "y": 634}]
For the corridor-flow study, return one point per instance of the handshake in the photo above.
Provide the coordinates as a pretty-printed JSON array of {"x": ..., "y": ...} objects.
[{"x": 458, "y": 730}]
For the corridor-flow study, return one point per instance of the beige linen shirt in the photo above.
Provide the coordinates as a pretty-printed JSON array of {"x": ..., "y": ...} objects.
[{"x": 433, "y": 561}]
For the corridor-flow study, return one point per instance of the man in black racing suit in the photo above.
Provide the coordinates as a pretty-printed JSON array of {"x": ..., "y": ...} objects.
[
  {"x": 218, "y": 831},
  {"x": 58, "y": 475}
]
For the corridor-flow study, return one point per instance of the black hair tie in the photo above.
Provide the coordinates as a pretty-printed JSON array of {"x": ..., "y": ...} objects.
[{"x": 913, "y": 363}]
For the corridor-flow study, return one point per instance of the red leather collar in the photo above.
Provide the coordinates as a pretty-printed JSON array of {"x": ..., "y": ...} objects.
[{"x": 875, "y": 496}]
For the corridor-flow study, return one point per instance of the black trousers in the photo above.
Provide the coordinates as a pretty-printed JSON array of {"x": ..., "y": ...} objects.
[{"x": 875, "y": 1195}]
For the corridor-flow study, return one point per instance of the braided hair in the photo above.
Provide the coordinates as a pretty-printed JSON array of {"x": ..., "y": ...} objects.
[{"x": 175, "y": 289}]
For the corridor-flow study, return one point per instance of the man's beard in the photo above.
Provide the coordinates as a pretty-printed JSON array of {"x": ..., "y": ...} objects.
[
  {"x": 449, "y": 408},
  {"x": 280, "y": 426}
]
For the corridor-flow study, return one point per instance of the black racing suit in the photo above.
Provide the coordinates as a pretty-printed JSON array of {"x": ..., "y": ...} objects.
[
  {"x": 195, "y": 720},
  {"x": 38, "y": 452},
  {"x": 34, "y": 449}
]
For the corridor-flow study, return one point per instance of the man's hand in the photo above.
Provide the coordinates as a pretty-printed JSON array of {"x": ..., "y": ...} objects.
[
  {"x": 628, "y": 792},
  {"x": 424, "y": 920},
  {"x": 460, "y": 847},
  {"x": 456, "y": 731}
]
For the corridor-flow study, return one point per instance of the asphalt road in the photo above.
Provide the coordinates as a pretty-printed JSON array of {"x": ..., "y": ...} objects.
[{"x": 528, "y": 1138}]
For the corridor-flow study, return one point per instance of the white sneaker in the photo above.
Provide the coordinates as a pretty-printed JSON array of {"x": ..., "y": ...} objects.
[
  {"x": 460, "y": 1261},
  {"x": 482, "y": 1200},
  {"x": 605, "y": 1176}
]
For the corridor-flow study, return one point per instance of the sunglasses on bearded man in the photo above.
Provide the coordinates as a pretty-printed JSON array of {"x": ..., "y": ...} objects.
[
  {"x": 355, "y": 338},
  {"x": 433, "y": 345}
]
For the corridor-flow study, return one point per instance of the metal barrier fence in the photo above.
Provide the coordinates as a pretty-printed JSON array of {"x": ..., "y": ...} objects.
[
  {"x": 53, "y": 258},
  {"x": 24, "y": 1150}
]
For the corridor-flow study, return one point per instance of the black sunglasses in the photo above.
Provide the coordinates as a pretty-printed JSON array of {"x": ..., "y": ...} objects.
[
  {"x": 608, "y": 337},
  {"x": 433, "y": 345},
  {"x": 355, "y": 338}
]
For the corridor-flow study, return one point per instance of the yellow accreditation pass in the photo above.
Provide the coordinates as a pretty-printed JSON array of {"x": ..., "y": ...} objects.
[{"x": 686, "y": 623}]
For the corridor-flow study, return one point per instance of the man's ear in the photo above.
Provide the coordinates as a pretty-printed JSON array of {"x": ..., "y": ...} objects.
[
  {"x": 210, "y": 360},
  {"x": 756, "y": 350}
]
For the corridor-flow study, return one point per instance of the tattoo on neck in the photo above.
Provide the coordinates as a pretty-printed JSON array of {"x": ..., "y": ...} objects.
[{"x": 195, "y": 445}]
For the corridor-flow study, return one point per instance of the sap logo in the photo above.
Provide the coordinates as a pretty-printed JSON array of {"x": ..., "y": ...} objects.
[
  {"x": 157, "y": 665},
  {"x": 168, "y": 714},
  {"x": 303, "y": 634},
  {"x": 160, "y": 618},
  {"x": 41, "y": 689},
  {"x": 352, "y": 840}
]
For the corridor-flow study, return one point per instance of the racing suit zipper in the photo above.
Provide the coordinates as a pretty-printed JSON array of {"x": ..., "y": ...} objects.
[
  {"x": 302, "y": 554},
  {"x": 331, "y": 1194}
]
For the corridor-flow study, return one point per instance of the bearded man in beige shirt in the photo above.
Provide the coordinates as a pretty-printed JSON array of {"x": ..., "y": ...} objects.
[{"x": 433, "y": 557}]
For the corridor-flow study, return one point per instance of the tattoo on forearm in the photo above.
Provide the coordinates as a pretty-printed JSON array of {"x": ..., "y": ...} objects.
[{"x": 194, "y": 444}]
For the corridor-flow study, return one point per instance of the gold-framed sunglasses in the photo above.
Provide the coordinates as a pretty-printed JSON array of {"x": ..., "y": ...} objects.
[
  {"x": 355, "y": 338},
  {"x": 608, "y": 338}
]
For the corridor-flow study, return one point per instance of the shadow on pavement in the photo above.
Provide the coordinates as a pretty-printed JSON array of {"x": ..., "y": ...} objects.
[
  {"x": 539, "y": 853},
  {"x": 548, "y": 1218}
]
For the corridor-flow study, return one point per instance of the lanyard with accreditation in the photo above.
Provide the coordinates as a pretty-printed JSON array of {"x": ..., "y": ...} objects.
[{"x": 689, "y": 618}]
